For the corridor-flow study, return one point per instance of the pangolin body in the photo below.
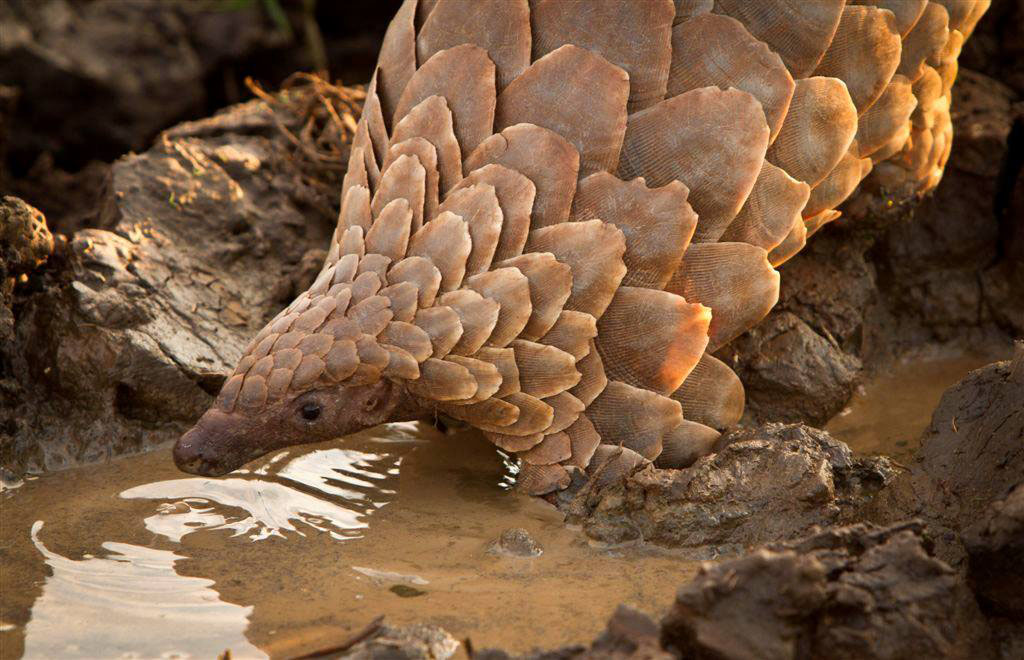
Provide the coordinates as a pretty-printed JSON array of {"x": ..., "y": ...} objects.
[{"x": 556, "y": 210}]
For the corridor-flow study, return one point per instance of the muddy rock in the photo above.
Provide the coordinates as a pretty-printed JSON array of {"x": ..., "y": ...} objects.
[
  {"x": 801, "y": 364},
  {"x": 975, "y": 442},
  {"x": 971, "y": 455},
  {"x": 629, "y": 634},
  {"x": 995, "y": 546},
  {"x": 123, "y": 345},
  {"x": 765, "y": 484},
  {"x": 515, "y": 542},
  {"x": 415, "y": 642},
  {"x": 853, "y": 592},
  {"x": 791, "y": 373}
]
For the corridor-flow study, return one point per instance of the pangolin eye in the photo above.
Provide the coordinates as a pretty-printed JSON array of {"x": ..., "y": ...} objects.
[
  {"x": 370, "y": 404},
  {"x": 310, "y": 411}
]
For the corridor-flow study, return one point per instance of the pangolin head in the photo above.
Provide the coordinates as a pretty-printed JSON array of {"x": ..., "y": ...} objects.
[
  {"x": 318, "y": 371},
  {"x": 223, "y": 441}
]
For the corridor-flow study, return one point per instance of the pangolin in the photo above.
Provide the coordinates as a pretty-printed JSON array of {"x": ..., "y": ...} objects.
[{"x": 555, "y": 211}]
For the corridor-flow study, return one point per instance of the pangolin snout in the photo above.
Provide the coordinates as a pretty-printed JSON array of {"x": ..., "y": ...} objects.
[{"x": 211, "y": 448}]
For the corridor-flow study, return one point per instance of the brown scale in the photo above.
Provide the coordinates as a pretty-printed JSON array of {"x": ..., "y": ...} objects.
[{"x": 551, "y": 217}]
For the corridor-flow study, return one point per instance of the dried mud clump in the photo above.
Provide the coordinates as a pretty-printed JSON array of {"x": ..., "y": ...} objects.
[
  {"x": 995, "y": 545},
  {"x": 971, "y": 455},
  {"x": 853, "y": 592},
  {"x": 760, "y": 485}
]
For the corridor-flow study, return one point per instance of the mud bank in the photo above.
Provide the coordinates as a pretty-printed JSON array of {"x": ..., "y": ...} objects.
[
  {"x": 766, "y": 484},
  {"x": 944, "y": 584},
  {"x": 121, "y": 337},
  {"x": 845, "y": 592}
]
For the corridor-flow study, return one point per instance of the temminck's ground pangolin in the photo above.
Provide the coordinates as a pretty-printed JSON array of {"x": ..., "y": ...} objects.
[{"x": 555, "y": 210}]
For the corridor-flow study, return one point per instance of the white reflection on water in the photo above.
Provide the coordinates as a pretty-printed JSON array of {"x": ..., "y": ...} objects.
[
  {"x": 348, "y": 485},
  {"x": 131, "y": 604}
]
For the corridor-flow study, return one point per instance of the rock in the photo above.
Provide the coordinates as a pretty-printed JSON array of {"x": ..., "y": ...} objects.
[
  {"x": 25, "y": 240},
  {"x": 415, "y": 642},
  {"x": 25, "y": 243},
  {"x": 125, "y": 69},
  {"x": 971, "y": 455},
  {"x": 790, "y": 372},
  {"x": 122, "y": 345},
  {"x": 854, "y": 592},
  {"x": 765, "y": 484},
  {"x": 515, "y": 542},
  {"x": 995, "y": 547},
  {"x": 629, "y": 634}
]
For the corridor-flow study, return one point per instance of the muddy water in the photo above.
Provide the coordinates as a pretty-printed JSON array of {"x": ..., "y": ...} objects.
[
  {"x": 890, "y": 411},
  {"x": 297, "y": 552},
  {"x": 134, "y": 559}
]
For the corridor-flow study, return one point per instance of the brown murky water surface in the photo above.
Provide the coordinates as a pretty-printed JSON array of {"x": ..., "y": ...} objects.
[
  {"x": 134, "y": 559},
  {"x": 297, "y": 552},
  {"x": 890, "y": 411}
]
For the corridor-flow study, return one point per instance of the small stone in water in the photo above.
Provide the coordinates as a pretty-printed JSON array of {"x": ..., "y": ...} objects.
[
  {"x": 405, "y": 591},
  {"x": 9, "y": 480},
  {"x": 516, "y": 542}
]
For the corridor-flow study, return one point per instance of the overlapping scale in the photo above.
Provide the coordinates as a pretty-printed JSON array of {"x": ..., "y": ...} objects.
[{"x": 554, "y": 210}]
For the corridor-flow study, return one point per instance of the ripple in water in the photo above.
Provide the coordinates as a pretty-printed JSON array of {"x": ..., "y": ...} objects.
[
  {"x": 348, "y": 485},
  {"x": 103, "y": 607}
]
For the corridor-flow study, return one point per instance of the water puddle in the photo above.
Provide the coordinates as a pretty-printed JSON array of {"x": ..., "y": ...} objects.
[
  {"x": 890, "y": 411},
  {"x": 127, "y": 591},
  {"x": 296, "y": 553},
  {"x": 133, "y": 559}
]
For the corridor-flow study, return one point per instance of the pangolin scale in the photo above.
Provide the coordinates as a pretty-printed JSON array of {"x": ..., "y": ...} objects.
[{"x": 556, "y": 210}]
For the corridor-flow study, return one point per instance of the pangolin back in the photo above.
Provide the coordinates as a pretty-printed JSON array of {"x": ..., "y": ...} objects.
[{"x": 556, "y": 210}]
